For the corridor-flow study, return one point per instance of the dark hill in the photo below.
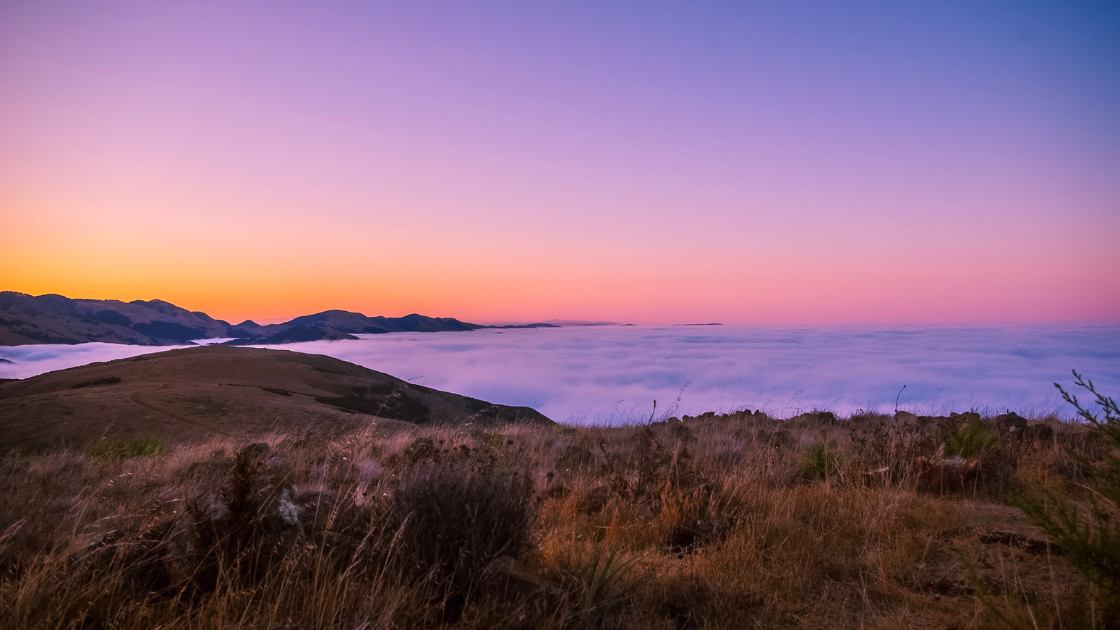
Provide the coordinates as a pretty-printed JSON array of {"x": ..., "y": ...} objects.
[
  {"x": 344, "y": 325},
  {"x": 27, "y": 319},
  {"x": 193, "y": 393},
  {"x": 293, "y": 334}
]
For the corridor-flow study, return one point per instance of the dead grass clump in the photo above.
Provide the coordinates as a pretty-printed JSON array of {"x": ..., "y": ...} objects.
[{"x": 452, "y": 521}]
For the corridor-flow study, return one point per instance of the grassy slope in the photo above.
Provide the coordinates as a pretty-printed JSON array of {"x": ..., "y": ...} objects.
[
  {"x": 196, "y": 393},
  {"x": 732, "y": 522}
]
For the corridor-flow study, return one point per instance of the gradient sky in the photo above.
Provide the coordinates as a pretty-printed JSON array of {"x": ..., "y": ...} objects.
[{"x": 794, "y": 162}]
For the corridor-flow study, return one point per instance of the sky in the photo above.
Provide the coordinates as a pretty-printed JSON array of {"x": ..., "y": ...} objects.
[
  {"x": 613, "y": 374},
  {"x": 793, "y": 163}
]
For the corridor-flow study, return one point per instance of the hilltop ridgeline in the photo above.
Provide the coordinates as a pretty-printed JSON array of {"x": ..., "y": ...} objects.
[
  {"x": 196, "y": 393},
  {"x": 27, "y": 319}
]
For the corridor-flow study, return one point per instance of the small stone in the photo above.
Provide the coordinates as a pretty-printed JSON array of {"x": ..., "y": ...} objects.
[{"x": 1011, "y": 422}]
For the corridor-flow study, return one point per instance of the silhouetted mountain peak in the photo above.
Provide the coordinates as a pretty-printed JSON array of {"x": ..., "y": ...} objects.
[{"x": 27, "y": 319}]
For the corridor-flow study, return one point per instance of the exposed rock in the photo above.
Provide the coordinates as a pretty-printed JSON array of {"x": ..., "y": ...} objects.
[
  {"x": 1011, "y": 422},
  {"x": 968, "y": 416},
  {"x": 818, "y": 417},
  {"x": 905, "y": 416},
  {"x": 674, "y": 427}
]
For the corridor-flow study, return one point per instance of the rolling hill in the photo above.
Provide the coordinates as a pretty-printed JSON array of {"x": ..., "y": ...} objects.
[
  {"x": 28, "y": 319},
  {"x": 195, "y": 393}
]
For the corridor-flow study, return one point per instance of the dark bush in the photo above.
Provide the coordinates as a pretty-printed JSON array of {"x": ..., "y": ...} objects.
[
  {"x": 453, "y": 520},
  {"x": 108, "y": 380},
  {"x": 252, "y": 529}
]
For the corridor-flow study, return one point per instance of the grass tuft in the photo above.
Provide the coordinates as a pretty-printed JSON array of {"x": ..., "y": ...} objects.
[{"x": 109, "y": 448}]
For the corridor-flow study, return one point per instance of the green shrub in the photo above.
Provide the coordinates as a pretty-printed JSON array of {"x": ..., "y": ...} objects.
[
  {"x": 109, "y": 448},
  {"x": 820, "y": 461},
  {"x": 968, "y": 438},
  {"x": 1090, "y": 539}
]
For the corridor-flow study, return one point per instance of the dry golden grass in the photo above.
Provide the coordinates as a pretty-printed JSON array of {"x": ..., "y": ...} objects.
[{"x": 737, "y": 521}]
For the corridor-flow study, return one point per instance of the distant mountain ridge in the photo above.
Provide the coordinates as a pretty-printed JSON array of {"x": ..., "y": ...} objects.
[{"x": 27, "y": 319}]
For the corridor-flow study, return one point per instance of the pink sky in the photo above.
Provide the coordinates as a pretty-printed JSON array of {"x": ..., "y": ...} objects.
[{"x": 805, "y": 164}]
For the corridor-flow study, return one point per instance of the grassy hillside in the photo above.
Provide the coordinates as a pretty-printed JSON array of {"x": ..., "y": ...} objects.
[
  {"x": 737, "y": 521},
  {"x": 28, "y": 319},
  {"x": 198, "y": 393}
]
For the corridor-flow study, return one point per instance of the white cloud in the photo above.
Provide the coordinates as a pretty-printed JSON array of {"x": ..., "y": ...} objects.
[
  {"x": 604, "y": 374},
  {"x": 36, "y": 359}
]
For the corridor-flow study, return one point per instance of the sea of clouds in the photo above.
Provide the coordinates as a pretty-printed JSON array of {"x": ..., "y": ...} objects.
[{"x": 613, "y": 374}]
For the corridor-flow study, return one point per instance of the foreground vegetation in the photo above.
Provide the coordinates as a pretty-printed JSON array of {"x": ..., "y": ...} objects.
[{"x": 734, "y": 521}]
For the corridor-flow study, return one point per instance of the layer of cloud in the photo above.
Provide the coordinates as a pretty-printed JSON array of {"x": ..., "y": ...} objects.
[
  {"x": 36, "y": 359},
  {"x": 612, "y": 374}
]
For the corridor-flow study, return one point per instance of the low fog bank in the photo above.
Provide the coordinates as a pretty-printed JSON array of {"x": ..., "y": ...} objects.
[
  {"x": 613, "y": 374},
  {"x": 36, "y": 359}
]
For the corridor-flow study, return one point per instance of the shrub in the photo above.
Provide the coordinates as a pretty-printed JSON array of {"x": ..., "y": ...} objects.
[
  {"x": 252, "y": 530},
  {"x": 820, "y": 462},
  {"x": 1090, "y": 541},
  {"x": 642, "y": 471},
  {"x": 968, "y": 437},
  {"x": 453, "y": 520},
  {"x": 600, "y": 584}
]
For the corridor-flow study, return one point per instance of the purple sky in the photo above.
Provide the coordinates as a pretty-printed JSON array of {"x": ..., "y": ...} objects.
[{"x": 758, "y": 163}]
